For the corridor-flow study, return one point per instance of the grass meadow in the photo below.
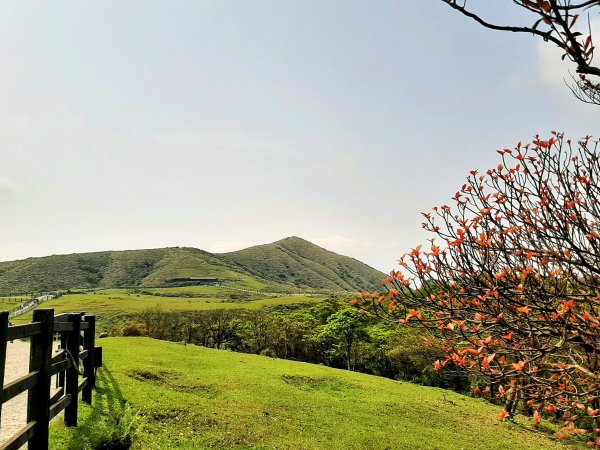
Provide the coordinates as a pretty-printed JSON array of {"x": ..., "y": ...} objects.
[
  {"x": 188, "y": 397},
  {"x": 113, "y": 305},
  {"x": 11, "y": 302}
]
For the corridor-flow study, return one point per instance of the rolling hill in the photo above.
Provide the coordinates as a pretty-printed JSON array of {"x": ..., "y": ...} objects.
[
  {"x": 289, "y": 263},
  {"x": 113, "y": 269},
  {"x": 301, "y": 263}
]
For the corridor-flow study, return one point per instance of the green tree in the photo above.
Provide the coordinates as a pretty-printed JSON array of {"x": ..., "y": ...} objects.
[
  {"x": 344, "y": 330},
  {"x": 292, "y": 334}
]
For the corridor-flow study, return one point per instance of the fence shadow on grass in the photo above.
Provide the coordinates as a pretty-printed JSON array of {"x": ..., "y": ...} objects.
[{"x": 111, "y": 422}]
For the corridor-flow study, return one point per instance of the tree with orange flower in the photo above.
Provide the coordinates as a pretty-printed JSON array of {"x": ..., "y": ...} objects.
[{"x": 510, "y": 281}]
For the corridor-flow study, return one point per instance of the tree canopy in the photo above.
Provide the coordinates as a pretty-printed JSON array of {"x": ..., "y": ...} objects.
[{"x": 510, "y": 281}]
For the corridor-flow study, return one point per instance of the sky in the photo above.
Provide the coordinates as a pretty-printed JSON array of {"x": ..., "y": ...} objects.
[{"x": 224, "y": 124}]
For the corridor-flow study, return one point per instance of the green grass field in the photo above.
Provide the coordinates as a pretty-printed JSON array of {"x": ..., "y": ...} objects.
[
  {"x": 7, "y": 303},
  {"x": 111, "y": 305},
  {"x": 195, "y": 398}
]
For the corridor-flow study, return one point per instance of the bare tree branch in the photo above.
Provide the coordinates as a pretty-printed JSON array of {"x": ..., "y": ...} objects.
[{"x": 558, "y": 19}]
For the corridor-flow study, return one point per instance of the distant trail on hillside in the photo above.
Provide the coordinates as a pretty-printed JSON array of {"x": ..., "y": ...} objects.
[{"x": 31, "y": 305}]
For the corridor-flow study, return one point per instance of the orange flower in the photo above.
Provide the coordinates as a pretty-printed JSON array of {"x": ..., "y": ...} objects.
[
  {"x": 519, "y": 366},
  {"x": 503, "y": 414},
  {"x": 508, "y": 336},
  {"x": 524, "y": 310},
  {"x": 487, "y": 360},
  {"x": 414, "y": 313}
]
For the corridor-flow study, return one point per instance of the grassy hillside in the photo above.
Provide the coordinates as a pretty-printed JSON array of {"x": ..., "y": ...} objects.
[
  {"x": 301, "y": 263},
  {"x": 115, "y": 305},
  {"x": 8, "y": 303},
  {"x": 115, "y": 269},
  {"x": 286, "y": 265},
  {"x": 195, "y": 398}
]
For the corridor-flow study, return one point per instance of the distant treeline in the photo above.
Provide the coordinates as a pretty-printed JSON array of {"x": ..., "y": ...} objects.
[{"x": 330, "y": 333}]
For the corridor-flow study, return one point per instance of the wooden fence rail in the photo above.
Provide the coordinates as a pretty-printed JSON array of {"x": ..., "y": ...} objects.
[{"x": 77, "y": 336}]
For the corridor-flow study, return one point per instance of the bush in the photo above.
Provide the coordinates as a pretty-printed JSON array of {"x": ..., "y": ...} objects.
[{"x": 134, "y": 329}]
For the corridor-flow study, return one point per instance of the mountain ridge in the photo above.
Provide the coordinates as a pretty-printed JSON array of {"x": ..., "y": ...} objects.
[
  {"x": 308, "y": 266},
  {"x": 323, "y": 268}
]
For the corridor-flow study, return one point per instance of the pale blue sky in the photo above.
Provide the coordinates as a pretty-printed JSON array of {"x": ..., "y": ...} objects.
[{"x": 141, "y": 124}]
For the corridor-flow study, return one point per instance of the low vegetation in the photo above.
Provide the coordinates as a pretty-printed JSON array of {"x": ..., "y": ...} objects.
[
  {"x": 11, "y": 302},
  {"x": 250, "y": 314},
  {"x": 285, "y": 266},
  {"x": 295, "y": 261},
  {"x": 113, "y": 269},
  {"x": 302, "y": 328},
  {"x": 328, "y": 333},
  {"x": 116, "y": 306},
  {"x": 189, "y": 397}
]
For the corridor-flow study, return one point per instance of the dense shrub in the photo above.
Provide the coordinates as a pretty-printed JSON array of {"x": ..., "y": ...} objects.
[{"x": 134, "y": 329}]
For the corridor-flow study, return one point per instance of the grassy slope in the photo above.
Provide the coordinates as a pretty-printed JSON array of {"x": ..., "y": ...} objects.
[
  {"x": 7, "y": 303},
  {"x": 110, "y": 305},
  {"x": 115, "y": 269},
  {"x": 178, "y": 263},
  {"x": 296, "y": 261},
  {"x": 196, "y": 398},
  {"x": 289, "y": 263}
]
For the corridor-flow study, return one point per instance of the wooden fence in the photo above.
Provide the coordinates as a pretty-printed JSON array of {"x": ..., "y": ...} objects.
[{"x": 76, "y": 332}]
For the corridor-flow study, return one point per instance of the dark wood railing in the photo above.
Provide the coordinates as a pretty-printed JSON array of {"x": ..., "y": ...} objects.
[{"x": 77, "y": 336}]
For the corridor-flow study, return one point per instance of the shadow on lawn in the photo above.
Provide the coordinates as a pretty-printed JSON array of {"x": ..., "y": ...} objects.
[{"x": 112, "y": 421}]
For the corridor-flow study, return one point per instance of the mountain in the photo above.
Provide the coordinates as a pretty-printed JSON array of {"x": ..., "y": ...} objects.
[
  {"x": 301, "y": 263},
  {"x": 113, "y": 269},
  {"x": 291, "y": 263}
]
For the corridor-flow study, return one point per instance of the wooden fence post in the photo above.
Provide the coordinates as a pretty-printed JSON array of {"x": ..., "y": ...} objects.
[
  {"x": 72, "y": 377},
  {"x": 38, "y": 402},
  {"x": 3, "y": 343},
  {"x": 89, "y": 341}
]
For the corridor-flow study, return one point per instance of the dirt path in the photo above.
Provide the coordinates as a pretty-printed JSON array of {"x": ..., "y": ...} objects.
[{"x": 14, "y": 412}]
